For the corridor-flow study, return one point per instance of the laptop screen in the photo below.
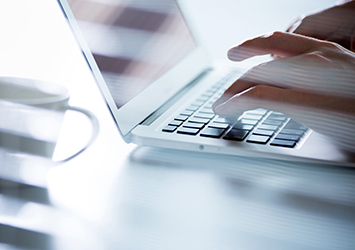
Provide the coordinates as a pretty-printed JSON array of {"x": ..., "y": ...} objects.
[{"x": 133, "y": 42}]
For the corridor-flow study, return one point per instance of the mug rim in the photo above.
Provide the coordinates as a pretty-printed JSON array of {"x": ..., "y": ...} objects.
[{"x": 52, "y": 92}]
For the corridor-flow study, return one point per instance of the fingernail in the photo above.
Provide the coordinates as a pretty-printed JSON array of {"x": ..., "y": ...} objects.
[{"x": 217, "y": 109}]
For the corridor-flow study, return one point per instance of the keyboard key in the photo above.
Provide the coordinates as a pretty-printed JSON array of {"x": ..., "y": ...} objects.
[
  {"x": 277, "y": 117},
  {"x": 263, "y": 132},
  {"x": 181, "y": 118},
  {"x": 197, "y": 103},
  {"x": 292, "y": 132},
  {"x": 276, "y": 113},
  {"x": 204, "y": 115},
  {"x": 258, "y": 139},
  {"x": 268, "y": 127},
  {"x": 295, "y": 125},
  {"x": 257, "y": 112},
  {"x": 193, "y": 125},
  {"x": 188, "y": 131},
  {"x": 273, "y": 122},
  {"x": 187, "y": 112},
  {"x": 212, "y": 132},
  {"x": 218, "y": 125},
  {"x": 175, "y": 123},
  {"x": 208, "y": 105},
  {"x": 193, "y": 108},
  {"x": 236, "y": 135},
  {"x": 206, "y": 110},
  {"x": 223, "y": 120},
  {"x": 199, "y": 120},
  {"x": 248, "y": 121},
  {"x": 252, "y": 116},
  {"x": 283, "y": 143},
  {"x": 169, "y": 129},
  {"x": 243, "y": 126},
  {"x": 295, "y": 138}
]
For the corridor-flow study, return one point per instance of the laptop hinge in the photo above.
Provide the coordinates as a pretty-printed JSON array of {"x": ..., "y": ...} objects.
[{"x": 157, "y": 113}]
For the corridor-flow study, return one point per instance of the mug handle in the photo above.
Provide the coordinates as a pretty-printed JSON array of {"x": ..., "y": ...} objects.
[{"x": 95, "y": 131}]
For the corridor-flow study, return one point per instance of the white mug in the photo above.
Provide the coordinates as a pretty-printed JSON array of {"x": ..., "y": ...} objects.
[{"x": 31, "y": 115}]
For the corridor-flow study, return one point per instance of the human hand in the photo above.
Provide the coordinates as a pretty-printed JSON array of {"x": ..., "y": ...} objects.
[
  {"x": 335, "y": 24},
  {"x": 313, "y": 81}
]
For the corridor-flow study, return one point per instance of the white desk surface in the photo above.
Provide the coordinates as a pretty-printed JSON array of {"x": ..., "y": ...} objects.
[{"x": 119, "y": 196}]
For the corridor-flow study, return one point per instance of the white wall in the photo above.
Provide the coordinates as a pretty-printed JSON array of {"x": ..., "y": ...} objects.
[{"x": 231, "y": 21}]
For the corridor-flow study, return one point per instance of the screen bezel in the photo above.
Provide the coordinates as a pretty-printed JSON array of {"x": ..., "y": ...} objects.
[{"x": 159, "y": 92}]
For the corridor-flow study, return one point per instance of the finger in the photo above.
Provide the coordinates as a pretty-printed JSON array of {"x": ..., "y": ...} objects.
[
  {"x": 236, "y": 88},
  {"x": 309, "y": 31},
  {"x": 271, "y": 94},
  {"x": 255, "y": 95},
  {"x": 307, "y": 27},
  {"x": 352, "y": 43},
  {"x": 278, "y": 43},
  {"x": 294, "y": 25},
  {"x": 265, "y": 74},
  {"x": 320, "y": 120}
]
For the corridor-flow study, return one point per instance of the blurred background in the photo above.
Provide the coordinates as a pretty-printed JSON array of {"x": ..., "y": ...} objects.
[{"x": 119, "y": 196}]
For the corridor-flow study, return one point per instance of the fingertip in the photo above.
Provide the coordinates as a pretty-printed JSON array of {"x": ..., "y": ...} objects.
[
  {"x": 229, "y": 109},
  {"x": 216, "y": 108},
  {"x": 223, "y": 98},
  {"x": 241, "y": 52},
  {"x": 224, "y": 110},
  {"x": 234, "y": 54},
  {"x": 219, "y": 101}
]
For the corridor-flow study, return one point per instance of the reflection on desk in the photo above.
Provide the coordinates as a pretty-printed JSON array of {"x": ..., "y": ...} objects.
[
  {"x": 166, "y": 199},
  {"x": 28, "y": 219},
  {"x": 214, "y": 202}
]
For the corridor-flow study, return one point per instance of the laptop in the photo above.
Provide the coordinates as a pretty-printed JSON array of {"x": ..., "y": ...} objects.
[{"x": 159, "y": 85}]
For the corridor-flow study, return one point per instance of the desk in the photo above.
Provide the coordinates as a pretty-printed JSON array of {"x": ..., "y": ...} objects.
[{"x": 119, "y": 196}]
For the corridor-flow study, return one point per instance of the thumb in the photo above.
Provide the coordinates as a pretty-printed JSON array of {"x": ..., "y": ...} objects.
[
  {"x": 270, "y": 97},
  {"x": 258, "y": 96}
]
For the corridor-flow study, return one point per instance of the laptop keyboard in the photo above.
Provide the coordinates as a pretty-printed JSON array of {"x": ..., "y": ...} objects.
[{"x": 259, "y": 126}]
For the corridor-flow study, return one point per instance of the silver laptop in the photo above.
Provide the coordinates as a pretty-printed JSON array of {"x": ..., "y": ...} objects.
[{"x": 159, "y": 85}]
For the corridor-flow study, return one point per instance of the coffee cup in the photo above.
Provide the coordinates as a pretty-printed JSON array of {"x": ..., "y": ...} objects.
[{"x": 32, "y": 113}]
